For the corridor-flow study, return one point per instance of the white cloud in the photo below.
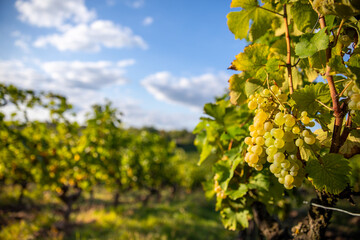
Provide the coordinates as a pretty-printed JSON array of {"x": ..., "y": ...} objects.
[
  {"x": 80, "y": 81},
  {"x": 54, "y": 13},
  {"x": 135, "y": 3},
  {"x": 92, "y": 37},
  {"x": 15, "y": 72},
  {"x": 22, "y": 41},
  {"x": 84, "y": 75},
  {"x": 193, "y": 91},
  {"x": 148, "y": 21}
]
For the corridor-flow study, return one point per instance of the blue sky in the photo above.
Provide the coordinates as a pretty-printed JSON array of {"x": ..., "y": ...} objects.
[{"x": 158, "y": 61}]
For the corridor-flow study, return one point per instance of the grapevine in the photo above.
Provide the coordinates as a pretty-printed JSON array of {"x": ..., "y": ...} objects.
[{"x": 297, "y": 86}]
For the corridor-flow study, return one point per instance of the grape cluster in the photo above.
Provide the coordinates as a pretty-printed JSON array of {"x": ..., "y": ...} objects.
[
  {"x": 220, "y": 193},
  {"x": 353, "y": 92},
  {"x": 276, "y": 135}
]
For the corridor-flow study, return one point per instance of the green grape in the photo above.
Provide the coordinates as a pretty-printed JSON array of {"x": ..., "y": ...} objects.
[
  {"x": 260, "y": 141},
  {"x": 281, "y": 180},
  {"x": 259, "y": 167},
  {"x": 274, "y": 168},
  {"x": 271, "y": 150},
  {"x": 289, "y": 120},
  {"x": 279, "y": 156},
  {"x": 269, "y": 142},
  {"x": 296, "y": 130},
  {"x": 268, "y": 126},
  {"x": 270, "y": 159},
  {"x": 278, "y": 133},
  {"x": 267, "y": 135},
  {"x": 310, "y": 140},
  {"x": 253, "y": 158},
  {"x": 252, "y": 128},
  {"x": 306, "y": 133},
  {"x": 274, "y": 89},
  {"x": 279, "y": 119},
  {"x": 304, "y": 113},
  {"x": 289, "y": 179},
  {"x": 257, "y": 149},
  {"x": 290, "y": 147},
  {"x": 299, "y": 142},
  {"x": 252, "y": 105},
  {"x": 248, "y": 141},
  {"x": 288, "y": 137},
  {"x": 305, "y": 120},
  {"x": 285, "y": 164},
  {"x": 279, "y": 143}
]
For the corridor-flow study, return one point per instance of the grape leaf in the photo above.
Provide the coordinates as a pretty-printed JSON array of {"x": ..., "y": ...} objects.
[
  {"x": 310, "y": 43},
  {"x": 355, "y": 172},
  {"x": 235, "y": 220},
  {"x": 238, "y": 193},
  {"x": 329, "y": 173},
  {"x": 237, "y": 88},
  {"x": 350, "y": 147},
  {"x": 303, "y": 15},
  {"x": 341, "y": 8},
  {"x": 324, "y": 137},
  {"x": 215, "y": 111},
  {"x": 239, "y": 22},
  {"x": 337, "y": 66},
  {"x": 243, "y": 3},
  {"x": 354, "y": 67},
  {"x": 318, "y": 61},
  {"x": 307, "y": 98},
  {"x": 253, "y": 60}
]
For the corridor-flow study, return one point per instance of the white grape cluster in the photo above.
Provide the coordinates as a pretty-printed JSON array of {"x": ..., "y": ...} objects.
[
  {"x": 276, "y": 135},
  {"x": 220, "y": 193},
  {"x": 353, "y": 92}
]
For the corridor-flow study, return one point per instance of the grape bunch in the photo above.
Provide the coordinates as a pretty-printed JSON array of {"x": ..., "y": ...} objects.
[
  {"x": 220, "y": 193},
  {"x": 353, "y": 93},
  {"x": 276, "y": 135}
]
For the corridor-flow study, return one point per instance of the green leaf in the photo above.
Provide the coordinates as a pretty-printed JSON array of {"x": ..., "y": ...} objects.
[
  {"x": 237, "y": 88},
  {"x": 235, "y": 220},
  {"x": 243, "y": 3},
  {"x": 259, "y": 181},
  {"x": 337, "y": 66},
  {"x": 324, "y": 137},
  {"x": 341, "y": 8},
  {"x": 238, "y": 193},
  {"x": 318, "y": 61},
  {"x": 215, "y": 111},
  {"x": 354, "y": 67},
  {"x": 303, "y": 15},
  {"x": 239, "y": 22},
  {"x": 350, "y": 147},
  {"x": 329, "y": 173},
  {"x": 205, "y": 152},
  {"x": 253, "y": 60},
  {"x": 307, "y": 98},
  {"x": 310, "y": 43},
  {"x": 355, "y": 172},
  {"x": 253, "y": 85}
]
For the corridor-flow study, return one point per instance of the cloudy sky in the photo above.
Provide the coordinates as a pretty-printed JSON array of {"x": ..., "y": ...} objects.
[{"x": 158, "y": 61}]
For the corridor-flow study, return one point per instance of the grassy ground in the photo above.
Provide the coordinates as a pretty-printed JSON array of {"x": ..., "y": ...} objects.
[{"x": 187, "y": 216}]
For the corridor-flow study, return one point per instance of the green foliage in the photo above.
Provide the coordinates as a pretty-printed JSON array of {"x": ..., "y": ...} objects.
[
  {"x": 271, "y": 139},
  {"x": 310, "y": 44},
  {"x": 329, "y": 173}
]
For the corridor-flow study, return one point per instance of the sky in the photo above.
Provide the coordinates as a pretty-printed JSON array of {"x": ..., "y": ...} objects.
[{"x": 157, "y": 61}]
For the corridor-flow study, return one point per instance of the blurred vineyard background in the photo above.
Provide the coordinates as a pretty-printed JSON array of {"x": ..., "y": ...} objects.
[{"x": 60, "y": 179}]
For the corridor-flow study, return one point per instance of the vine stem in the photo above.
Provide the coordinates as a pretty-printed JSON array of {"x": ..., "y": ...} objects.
[
  {"x": 288, "y": 50},
  {"x": 335, "y": 143}
]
